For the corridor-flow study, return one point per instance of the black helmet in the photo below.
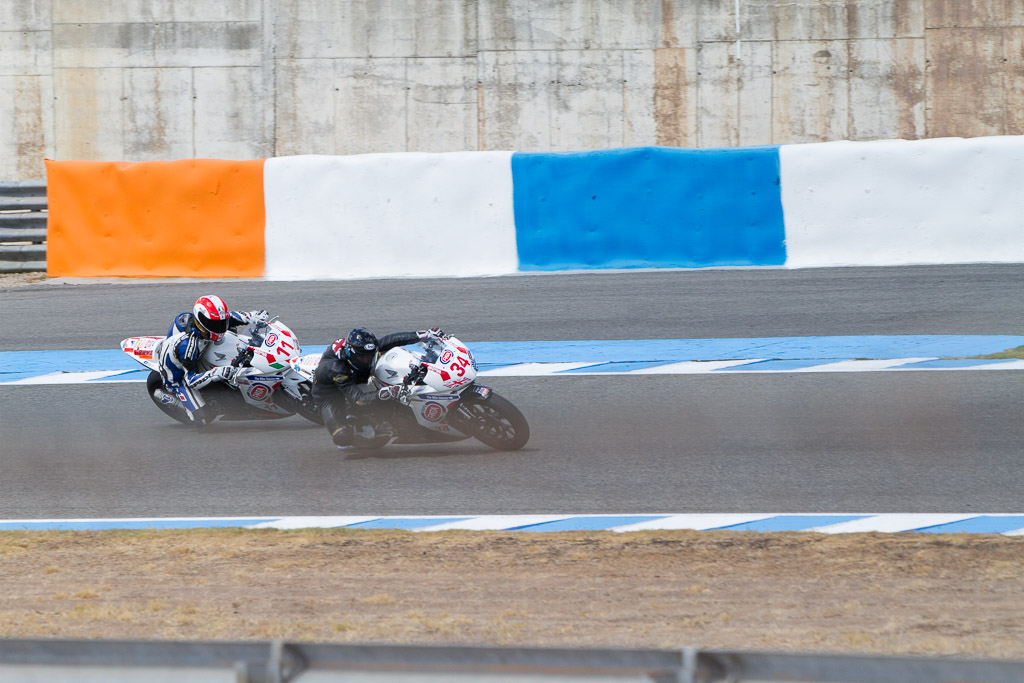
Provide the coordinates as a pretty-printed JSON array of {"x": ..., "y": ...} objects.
[{"x": 361, "y": 348}]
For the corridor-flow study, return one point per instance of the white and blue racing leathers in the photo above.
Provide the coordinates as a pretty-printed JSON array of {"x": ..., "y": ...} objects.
[{"x": 183, "y": 367}]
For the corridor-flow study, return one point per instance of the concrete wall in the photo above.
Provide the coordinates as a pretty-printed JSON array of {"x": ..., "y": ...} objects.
[{"x": 163, "y": 79}]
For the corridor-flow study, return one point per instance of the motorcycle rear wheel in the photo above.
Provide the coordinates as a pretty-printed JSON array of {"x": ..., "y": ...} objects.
[
  {"x": 173, "y": 409},
  {"x": 495, "y": 422},
  {"x": 306, "y": 408}
]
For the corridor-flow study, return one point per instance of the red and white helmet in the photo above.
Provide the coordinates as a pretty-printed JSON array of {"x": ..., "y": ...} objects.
[{"x": 211, "y": 316}]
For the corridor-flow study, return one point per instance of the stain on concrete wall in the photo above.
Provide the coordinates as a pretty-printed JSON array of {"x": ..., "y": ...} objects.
[
  {"x": 32, "y": 120},
  {"x": 887, "y": 89},
  {"x": 966, "y": 79},
  {"x": 1013, "y": 90},
  {"x": 673, "y": 103},
  {"x": 157, "y": 79},
  {"x": 26, "y": 89}
]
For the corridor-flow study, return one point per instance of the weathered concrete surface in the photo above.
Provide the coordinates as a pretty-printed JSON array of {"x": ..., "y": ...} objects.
[
  {"x": 168, "y": 44},
  {"x": 567, "y": 99},
  {"x": 887, "y": 93},
  {"x": 966, "y": 75},
  {"x": 158, "y": 79},
  {"x": 151, "y": 110},
  {"x": 89, "y": 110},
  {"x": 810, "y": 96},
  {"x": 27, "y": 119},
  {"x": 153, "y": 11},
  {"x": 327, "y": 29},
  {"x": 675, "y": 102},
  {"x": 735, "y": 96}
]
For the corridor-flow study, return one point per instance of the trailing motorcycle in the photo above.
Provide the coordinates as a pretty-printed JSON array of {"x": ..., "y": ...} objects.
[
  {"x": 266, "y": 386},
  {"x": 429, "y": 394}
]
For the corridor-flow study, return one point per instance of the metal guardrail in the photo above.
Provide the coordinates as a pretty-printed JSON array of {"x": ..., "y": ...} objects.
[
  {"x": 23, "y": 226},
  {"x": 281, "y": 662}
]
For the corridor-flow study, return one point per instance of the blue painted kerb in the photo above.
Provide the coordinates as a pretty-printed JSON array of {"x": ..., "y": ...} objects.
[{"x": 649, "y": 207}]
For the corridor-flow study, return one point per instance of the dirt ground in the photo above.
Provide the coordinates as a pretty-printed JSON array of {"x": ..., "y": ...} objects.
[
  {"x": 959, "y": 595},
  {"x": 18, "y": 279}
]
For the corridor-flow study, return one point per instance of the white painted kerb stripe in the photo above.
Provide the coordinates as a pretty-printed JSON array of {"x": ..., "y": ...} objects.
[
  {"x": 696, "y": 522},
  {"x": 496, "y": 522},
  {"x": 891, "y": 523},
  {"x": 313, "y": 522}
]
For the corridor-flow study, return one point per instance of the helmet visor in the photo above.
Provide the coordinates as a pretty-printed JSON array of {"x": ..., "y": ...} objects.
[
  {"x": 211, "y": 328},
  {"x": 360, "y": 358}
]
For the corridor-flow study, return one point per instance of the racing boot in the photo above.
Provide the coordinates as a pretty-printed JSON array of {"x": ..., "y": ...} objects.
[
  {"x": 343, "y": 436},
  {"x": 369, "y": 437},
  {"x": 210, "y": 411}
]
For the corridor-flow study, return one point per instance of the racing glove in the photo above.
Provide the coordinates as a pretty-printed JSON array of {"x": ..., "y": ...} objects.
[
  {"x": 435, "y": 332},
  {"x": 225, "y": 374},
  {"x": 252, "y": 317}
]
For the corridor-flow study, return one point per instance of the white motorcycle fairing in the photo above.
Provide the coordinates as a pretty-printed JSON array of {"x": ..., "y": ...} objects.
[
  {"x": 434, "y": 381},
  {"x": 449, "y": 369},
  {"x": 265, "y": 381}
]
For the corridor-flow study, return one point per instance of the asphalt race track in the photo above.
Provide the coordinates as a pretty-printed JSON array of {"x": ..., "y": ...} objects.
[{"x": 823, "y": 442}]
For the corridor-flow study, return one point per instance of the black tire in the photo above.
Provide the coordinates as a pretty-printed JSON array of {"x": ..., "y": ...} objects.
[
  {"x": 495, "y": 422},
  {"x": 306, "y": 408},
  {"x": 173, "y": 409},
  {"x": 310, "y": 414}
]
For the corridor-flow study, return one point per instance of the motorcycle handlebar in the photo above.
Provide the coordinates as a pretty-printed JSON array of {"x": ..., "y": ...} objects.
[
  {"x": 416, "y": 373},
  {"x": 244, "y": 356}
]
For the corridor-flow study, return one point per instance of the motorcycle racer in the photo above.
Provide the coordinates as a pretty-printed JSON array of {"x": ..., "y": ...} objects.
[
  {"x": 345, "y": 365},
  {"x": 182, "y": 367}
]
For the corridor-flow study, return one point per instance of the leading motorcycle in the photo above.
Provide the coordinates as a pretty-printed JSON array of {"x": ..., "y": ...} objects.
[
  {"x": 266, "y": 386},
  {"x": 428, "y": 394}
]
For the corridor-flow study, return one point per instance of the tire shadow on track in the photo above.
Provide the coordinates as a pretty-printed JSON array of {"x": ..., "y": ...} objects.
[
  {"x": 241, "y": 427},
  {"x": 415, "y": 451}
]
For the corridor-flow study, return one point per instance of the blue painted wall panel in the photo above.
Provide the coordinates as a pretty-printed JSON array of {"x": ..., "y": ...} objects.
[{"x": 648, "y": 207}]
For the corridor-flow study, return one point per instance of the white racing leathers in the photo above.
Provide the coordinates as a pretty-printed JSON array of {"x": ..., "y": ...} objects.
[{"x": 188, "y": 362}]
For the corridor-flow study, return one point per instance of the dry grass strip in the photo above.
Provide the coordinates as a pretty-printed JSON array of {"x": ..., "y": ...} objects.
[{"x": 960, "y": 595}]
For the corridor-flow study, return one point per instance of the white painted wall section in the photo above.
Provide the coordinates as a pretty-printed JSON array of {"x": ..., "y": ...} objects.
[
  {"x": 390, "y": 215},
  {"x": 898, "y": 202}
]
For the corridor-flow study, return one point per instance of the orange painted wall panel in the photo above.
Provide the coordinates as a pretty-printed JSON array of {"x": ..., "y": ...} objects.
[{"x": 187, "y": 218}]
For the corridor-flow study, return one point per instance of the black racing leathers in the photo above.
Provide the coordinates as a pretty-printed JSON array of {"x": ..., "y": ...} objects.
[{"x": 336, "y": 383}]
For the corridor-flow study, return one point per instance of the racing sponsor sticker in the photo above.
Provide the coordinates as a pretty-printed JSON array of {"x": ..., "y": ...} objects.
[
  {"x": 262, "y": 378},
  {"x": 258, "y": 392},
  {"x": 433, "y": 412},
  {"x": 271, "y": 339},
  {"x": 439, "y": 397},
  {"x": 146, "y": 347},
  {"x": 446, "y": 356}
]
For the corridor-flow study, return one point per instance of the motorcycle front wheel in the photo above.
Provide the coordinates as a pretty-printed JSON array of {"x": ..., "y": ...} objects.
[
  {"x": 495, "y": 422},
  {"x": 167, "y": 402}
]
